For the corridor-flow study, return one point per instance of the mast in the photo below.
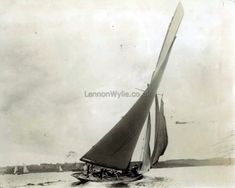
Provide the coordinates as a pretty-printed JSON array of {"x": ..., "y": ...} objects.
[{"x": 115, "y": 149}]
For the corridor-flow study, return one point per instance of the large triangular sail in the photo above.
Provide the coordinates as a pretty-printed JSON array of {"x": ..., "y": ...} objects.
[
  {"x": 161, "y": 137},
  {"x": 115, "y": 149},
  {"x": 146, "y": 161}
]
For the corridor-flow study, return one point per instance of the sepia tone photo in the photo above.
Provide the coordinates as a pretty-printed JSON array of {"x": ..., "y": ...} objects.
[{"x": 117, "y": 93}]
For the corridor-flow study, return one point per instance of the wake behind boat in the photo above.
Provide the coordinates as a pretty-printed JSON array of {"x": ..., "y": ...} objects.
[{"x": 110, "y": 159}]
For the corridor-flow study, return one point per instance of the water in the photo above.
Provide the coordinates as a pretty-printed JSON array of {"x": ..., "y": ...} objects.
[{"x": 210, "y": 176}]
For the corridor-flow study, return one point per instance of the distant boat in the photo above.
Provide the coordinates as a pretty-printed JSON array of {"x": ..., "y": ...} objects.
[
  {"x": 110, "y": 158},
  {"x": 16, "y": 170},
  {"x": 60, "y": 169},
  {"x": 25, "y": 169},
  {"x": 184, "y": 122}
]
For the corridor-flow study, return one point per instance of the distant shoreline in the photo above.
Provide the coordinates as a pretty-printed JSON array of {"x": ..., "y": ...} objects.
[
  {"x": 43, "y": 167},
  {"x": 50, "y": 167},
  {"x": 194, "y": 162}
]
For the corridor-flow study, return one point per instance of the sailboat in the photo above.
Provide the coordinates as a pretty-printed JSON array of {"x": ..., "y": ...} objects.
[
  {"x": 25, "y": 169},
  {"x": 60, "y": 169},
  {"x": 16, "y": 170},
  {"x": 112, "y": 154}
]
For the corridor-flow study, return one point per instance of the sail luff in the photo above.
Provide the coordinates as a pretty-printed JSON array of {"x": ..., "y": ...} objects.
[
  {"x": 115, "y": 149},
  {"x": 146, "y": 162}
]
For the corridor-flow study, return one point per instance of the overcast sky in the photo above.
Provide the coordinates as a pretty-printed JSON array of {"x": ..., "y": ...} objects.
[{"x": 53, "y": 51}]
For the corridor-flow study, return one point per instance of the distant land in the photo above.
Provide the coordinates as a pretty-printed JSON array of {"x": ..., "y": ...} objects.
[
  {"x": 195, "y": 162},
  {"x": 43, "y": 167},
  {"x": 50, "y": 167}
]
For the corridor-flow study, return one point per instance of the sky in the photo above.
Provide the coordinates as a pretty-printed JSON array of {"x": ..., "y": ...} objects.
[{"x": 54, "y": 52}]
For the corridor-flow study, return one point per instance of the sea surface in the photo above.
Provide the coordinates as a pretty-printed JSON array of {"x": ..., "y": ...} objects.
[{"x": 209, "y": 176}]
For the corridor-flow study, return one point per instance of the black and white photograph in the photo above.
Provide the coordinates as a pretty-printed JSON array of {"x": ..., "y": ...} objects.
[{"x": 117, "y": 93}]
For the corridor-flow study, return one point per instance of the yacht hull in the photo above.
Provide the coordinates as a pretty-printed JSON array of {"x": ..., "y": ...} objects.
[{"x": 120, "y": 179}]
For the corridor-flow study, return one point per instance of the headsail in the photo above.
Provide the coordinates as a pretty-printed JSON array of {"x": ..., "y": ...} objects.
[
  {"x": 115, "y": 149},
  {"x": 161, "y": 137},
  {"x": 146, "y": 162},
  {"x": 164, "y": 131}
]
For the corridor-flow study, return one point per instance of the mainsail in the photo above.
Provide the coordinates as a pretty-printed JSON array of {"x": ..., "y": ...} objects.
[
  {"x": 146, "y": 162},
  {"x": 161, "y": 137},
  {"x": 115, "y": 149}
]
